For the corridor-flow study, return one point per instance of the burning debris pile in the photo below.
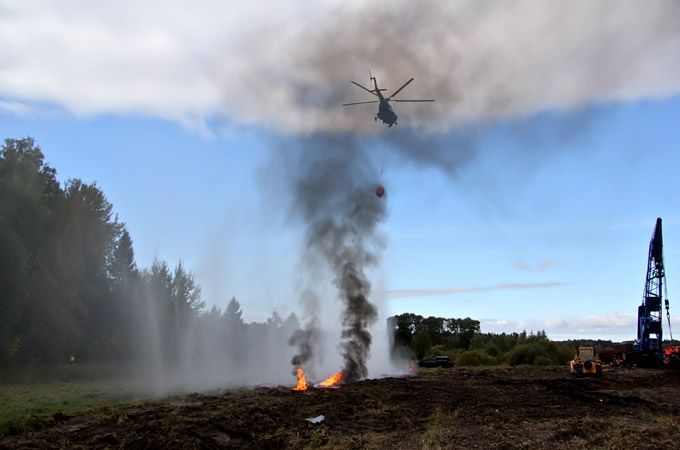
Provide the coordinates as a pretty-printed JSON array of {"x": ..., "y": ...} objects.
[
  {"x": 302, "y": 381},
  {"x": 333, "y": 184},
  {"x": 331, "y": 382}
]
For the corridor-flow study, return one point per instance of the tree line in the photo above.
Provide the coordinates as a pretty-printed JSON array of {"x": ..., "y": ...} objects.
[
  {"x": 463, "y": 341},
  {"x": 70, "y": 288}
]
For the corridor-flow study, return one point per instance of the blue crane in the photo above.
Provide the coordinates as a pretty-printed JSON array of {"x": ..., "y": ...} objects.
[{"x": 649, "y": 343}]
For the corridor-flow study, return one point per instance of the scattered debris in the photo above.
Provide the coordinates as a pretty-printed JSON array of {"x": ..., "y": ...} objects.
[{"x": 317, "y": 419}]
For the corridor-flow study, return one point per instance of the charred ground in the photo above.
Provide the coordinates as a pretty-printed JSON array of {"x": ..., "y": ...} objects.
[{"x": 450, "y": 408}]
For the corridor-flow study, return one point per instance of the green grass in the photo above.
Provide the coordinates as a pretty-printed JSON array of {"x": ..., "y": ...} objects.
[
  {"x": 434, "y": 436},
  {"x": 23, "y": 406}
]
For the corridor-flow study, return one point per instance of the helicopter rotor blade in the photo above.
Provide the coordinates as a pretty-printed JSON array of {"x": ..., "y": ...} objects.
[
  {"x": 410, "y": 101},
  {"x": 399, "y": 90},
  {"x": 362, "y": 87},
  {"x": 360, "y": 103}
]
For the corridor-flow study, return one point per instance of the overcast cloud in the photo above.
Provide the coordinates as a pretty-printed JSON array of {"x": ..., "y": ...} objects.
[{"x": 288, "y": 66}]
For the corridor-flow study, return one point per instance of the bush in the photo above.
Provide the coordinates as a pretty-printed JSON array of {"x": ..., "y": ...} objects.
[
  {"x": 564, "y": 354},
  {"x": 492, "y": 350},
  {"x": 527, "y": 354},
  {"x": 475, "y": 358},
  {"x": 542, "y": 360},
  {"x": 539, "y": 353},
  {"x": 438, "y": 350}
]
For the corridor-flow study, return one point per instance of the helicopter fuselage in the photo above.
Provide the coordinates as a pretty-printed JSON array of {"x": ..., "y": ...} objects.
[{"x": 385, "y": 112}]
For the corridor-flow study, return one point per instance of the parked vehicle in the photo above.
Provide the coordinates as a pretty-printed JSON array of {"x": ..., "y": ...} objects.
[{"x": 435, "y": 361}]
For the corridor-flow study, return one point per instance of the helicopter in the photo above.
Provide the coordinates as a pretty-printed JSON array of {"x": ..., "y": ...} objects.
[{"x": 385, "y": 111}]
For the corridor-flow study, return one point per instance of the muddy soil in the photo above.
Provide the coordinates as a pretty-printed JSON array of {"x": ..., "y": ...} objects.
[{"x": 522, "y": 407}]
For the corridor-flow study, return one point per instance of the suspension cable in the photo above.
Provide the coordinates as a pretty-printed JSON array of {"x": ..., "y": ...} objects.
[{"x": 382, "y": 161}]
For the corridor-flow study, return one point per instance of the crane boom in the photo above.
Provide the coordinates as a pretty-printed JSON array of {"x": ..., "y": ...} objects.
[{"x": 649, "y": 332}]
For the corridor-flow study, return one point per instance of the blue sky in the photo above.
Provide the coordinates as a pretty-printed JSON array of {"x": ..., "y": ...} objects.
[
  {"x": 558, "y": 243},
  {"x": 546, "y": 227}
]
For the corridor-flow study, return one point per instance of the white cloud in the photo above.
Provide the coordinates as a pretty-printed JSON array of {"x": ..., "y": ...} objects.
[
  {"x": 608, "y": 321},
  {"x": 616, "y": 326},
  {"x": 435, "y": 292},
  {"x": 16, "y": 108},
  {"x": 287, "y": 65},
  {"x": 541, "y": 266},
  {"x": 555, "y": 322}
]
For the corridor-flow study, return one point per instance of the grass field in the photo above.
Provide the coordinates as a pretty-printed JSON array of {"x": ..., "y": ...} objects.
[{"x": 24, "y": 406}]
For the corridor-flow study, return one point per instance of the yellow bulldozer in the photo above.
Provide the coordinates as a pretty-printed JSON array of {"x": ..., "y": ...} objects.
[{"x": 586, "y": 362}]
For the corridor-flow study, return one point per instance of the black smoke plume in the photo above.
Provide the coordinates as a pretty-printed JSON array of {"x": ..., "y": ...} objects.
[
  {"x": 333, "y": 183},
  {"x": 304, "y": 340}
]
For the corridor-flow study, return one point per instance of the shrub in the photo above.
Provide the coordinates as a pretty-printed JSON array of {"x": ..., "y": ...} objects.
[
  {"x": 475, "y": 358},
  {"x": 527, "y": 354},
  {"x": 564, "y": 354},
  {"x": 438, "y": 350},
  {"x": 492, "y": 350},
  {"x": 542, "y": 360}
]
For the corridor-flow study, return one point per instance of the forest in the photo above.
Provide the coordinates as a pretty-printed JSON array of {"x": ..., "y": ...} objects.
[{"x": 70, "y": 289}]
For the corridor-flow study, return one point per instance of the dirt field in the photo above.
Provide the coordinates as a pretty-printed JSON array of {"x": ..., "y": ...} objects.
[{"x": 440, "y": 408}]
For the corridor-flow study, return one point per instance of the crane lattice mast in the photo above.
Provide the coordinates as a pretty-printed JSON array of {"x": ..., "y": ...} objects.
[{"x": 649, "y": 332}]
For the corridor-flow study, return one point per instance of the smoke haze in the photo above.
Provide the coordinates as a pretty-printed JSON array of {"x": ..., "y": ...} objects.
[
  {"x": 288, "y": 66},
  {"x": 481, "y": 61}
]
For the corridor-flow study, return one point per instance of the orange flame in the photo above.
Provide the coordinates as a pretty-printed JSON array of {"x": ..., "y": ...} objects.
[
  {"x": 331, "y": 381},
  {"x": 302, "y": 381}
]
